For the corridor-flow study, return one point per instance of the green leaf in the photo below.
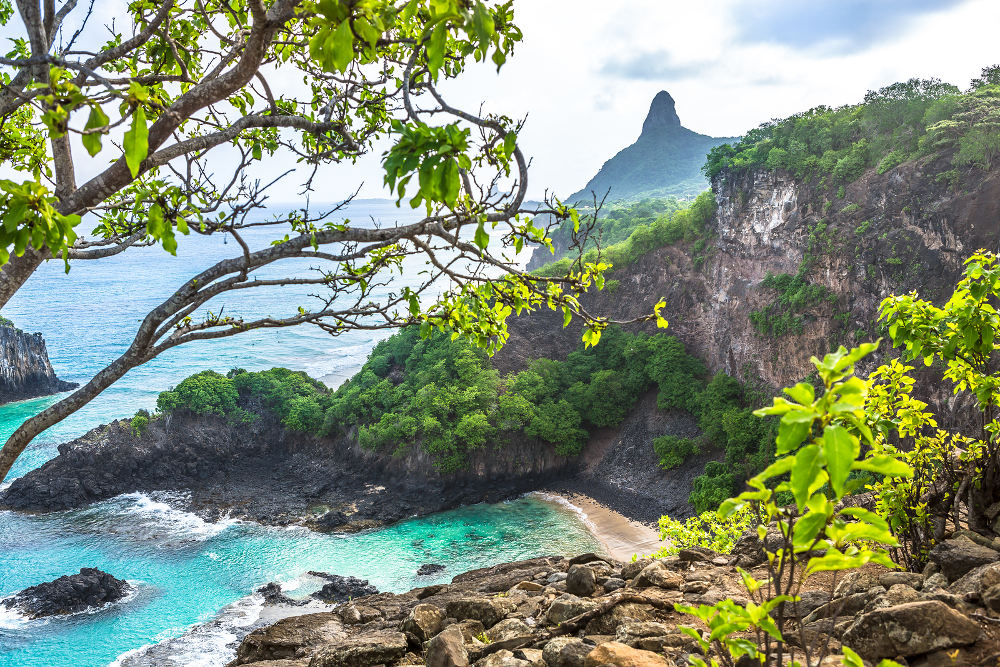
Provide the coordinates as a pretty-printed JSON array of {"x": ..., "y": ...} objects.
[
  {"x": 450, "y": 183},
  {"x": 795, "y": 426},
  {"x": 884, "y": 465},
  {"x": 482, "y": 239},
  {"x": 92, "y": 141},
  {"x": 436, "y": 49},
  {"x": 342, "y": 48},
  {"x": 841, "y": 450},
  {"x": 851, "y": 659},
  {"x": 805, "y": 470},
  {"x": 803, "y": 393},
  {"x": 136, "y": 142},
  {"x": 808, "y": 527}
]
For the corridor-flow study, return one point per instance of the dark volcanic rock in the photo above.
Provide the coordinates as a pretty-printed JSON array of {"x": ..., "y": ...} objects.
[
  {"x": 266, "y": 473},
  {"x": 25, "y": 370},
  {"x": 428, "y": 569},
  {"x": 273, "y": 596},
  {"x": 69, "y": 594},
  {"x": 342, "y": 589}
]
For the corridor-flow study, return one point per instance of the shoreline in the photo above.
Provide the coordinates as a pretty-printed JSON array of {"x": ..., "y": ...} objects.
[{"x": 620, "y": 536}]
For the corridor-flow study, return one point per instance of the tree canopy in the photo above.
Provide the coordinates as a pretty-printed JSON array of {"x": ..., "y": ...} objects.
[{"x": 167, "y": 111}]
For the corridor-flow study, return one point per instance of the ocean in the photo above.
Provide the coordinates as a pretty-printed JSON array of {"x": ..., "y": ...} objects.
[{"x": 194, "y": 581}]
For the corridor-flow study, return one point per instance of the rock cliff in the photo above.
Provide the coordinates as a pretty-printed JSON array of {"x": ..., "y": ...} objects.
[
  {"x": 886, "y": 233},
  {"x": 25, "y": 370}
]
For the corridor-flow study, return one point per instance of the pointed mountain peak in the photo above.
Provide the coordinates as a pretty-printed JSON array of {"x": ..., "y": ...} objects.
[{"x": 661, "y": 113}]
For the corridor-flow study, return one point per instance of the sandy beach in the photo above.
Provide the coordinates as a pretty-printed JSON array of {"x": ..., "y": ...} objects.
[{"x": 620, "y": 536}]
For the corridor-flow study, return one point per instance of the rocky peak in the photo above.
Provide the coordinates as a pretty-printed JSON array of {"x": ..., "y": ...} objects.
[{"x": 662, "y": 113}]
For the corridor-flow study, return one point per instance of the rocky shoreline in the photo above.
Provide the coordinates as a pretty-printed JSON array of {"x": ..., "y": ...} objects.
[
  {"x": 590, "y": 610},
  {"x": 265, "y": 473}
]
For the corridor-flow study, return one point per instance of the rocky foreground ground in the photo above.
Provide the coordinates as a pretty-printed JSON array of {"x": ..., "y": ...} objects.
[{"x": 590, "y": 611}]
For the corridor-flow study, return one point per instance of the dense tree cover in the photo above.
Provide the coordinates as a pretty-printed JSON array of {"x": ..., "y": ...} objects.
[
  {"x": 617, "y": 221},
  {"x": 689, "y": 223},
  {"x": 443, "y": 396},
  {"x": 894, "y": 124}
]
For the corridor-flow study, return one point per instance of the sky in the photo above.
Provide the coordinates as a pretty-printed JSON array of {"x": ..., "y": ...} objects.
[{"x": 585, "y": 75}]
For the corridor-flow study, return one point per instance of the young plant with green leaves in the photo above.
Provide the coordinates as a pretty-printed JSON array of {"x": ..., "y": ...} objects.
[
  {"x": 823, "y": 441},
  {"x": 957, "y": 477},
  {"x": 141, "y": 116}
]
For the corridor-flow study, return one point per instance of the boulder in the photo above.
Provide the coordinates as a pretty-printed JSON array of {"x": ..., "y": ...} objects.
[
  {"x": 657, "y": 574},
  {"x": 629, "y": 612},
  {"x": 488, "y": 611},
  {"x": 342, "y": 589},
  {"x": 613, "y": 584},
  {"x": 502, "y": 658},
  {"x": 286, "y": 638},
  {"x": 911, "y": 579},
  {"x": 909, "y": 629},
  {"x": 356, "y": 614},
  {"x": 69, "y": 594},
  {"x": 991, "y": 597},
  {"x": 471, "y": 629},
  {"x": 447, "y": 649},
  {"x": 374, "y": 649},
  {"x": 532, "y": 655},
  {"x": 958, "y": 555},
  {"x": 581, "y": 580},
  {"x": 697, "y": 555},
  {"x": 631, "y": 569},
  {"x": 566, "y": 652},
  {"x": 637, "y": 635},
  {"x": 427, "y": 569},
  {"x": 858, "y": 581},
  {"x": 508, "y": 629},
  {"x": 567, "y": 606},
  {"x": 274, "y": 596},
  {"x": 615, "y": 654},
  {"x": 424, "y": 621}
]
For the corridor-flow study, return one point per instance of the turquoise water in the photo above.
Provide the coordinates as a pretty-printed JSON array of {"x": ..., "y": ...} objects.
[{"x": 188, "y": 571}]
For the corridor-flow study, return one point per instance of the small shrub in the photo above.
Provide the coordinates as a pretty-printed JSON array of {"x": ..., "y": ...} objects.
[
  {"x": 139, "y": 423},
  {"x": 673, "y": 451}
]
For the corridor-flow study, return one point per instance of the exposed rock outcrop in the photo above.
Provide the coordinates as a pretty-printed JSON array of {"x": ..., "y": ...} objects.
[
  {"x": 25, "y": 370},
  {"x": 266, "y": 473},
  {"x": 69, "y": 594},
  {"x": 886, "y": 233},
  {"x": 522, "y": 615}
]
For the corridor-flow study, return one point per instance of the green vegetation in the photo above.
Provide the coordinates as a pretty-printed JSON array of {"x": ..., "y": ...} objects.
[
  {"x": 4, "y": 322},
  {"x": 842, "y": 435},
  {"x": 673, "y": 451},
  {"x": 897, "y": 123},
  {"x": 140, "y": 422},
  {"x": 707, "y": 529},
  {"x": 672, "y": 225},
  {"x": 617, "y": 221},
  {"x": 795, "y": 295},
  {"x": 443, "y": 396}
]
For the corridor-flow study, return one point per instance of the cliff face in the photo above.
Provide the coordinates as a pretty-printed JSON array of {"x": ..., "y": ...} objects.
[
  {"x": 25, "y": 371},
  {"x": 891, "y": 233}
]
